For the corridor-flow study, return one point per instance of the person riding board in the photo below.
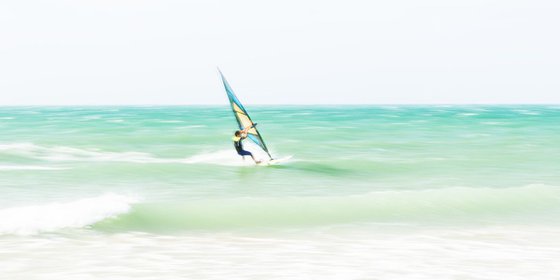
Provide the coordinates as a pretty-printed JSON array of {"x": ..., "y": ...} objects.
[{"x": 239, "y": 136}]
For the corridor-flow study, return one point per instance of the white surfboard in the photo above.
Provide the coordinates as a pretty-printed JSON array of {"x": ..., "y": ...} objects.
[{"x": 277, "y": 160}]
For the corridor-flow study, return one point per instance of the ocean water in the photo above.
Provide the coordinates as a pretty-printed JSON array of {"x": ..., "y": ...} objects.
[{"x": 371, "y": 192}]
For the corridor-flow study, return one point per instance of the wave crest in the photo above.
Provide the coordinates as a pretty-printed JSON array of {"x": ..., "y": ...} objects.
[{"x": 55, "y": 216}]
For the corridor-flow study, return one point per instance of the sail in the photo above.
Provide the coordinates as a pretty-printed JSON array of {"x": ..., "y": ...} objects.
[{"x": 242, "y": 117}]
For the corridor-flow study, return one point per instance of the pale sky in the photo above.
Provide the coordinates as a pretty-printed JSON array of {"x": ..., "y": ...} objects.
[{"x": 279, "y": 52}]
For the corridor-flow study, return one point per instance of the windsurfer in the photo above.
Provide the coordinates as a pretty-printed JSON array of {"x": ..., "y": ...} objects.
[{"x": 239, "y": 136}]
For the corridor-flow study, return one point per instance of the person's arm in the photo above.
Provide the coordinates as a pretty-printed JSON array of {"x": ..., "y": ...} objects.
[{"x": 244, "y": 131}]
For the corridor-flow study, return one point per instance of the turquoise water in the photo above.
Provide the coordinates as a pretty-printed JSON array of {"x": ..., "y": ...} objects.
[{"x": 454, "y": 192}]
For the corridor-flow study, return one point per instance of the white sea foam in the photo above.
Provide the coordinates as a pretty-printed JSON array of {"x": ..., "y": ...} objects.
[
  {"x": 115, "y": 121},
  {"x": 468, "y": 114},
  {"x": 195, "y": 126},
  {"x": 223, "y": 157},
  {"x": 55, "y": 216},
  {"x": 94, "y": 117},
  {"x": 63, "y": 153},
  {"x": 527, "y": 112},
  {"x": 492, "y": 253}
]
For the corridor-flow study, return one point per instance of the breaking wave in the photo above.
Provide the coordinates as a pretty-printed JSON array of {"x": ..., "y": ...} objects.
[{"x": 65, "y": 215}]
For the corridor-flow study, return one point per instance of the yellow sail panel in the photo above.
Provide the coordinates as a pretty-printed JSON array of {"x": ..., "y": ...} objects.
[
  {"x": 244, "y": 120},
  {"x": 237, "y": 110}
]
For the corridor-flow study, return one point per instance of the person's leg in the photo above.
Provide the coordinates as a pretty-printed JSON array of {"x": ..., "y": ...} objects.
[
  {"x": 255, "y": 160},
  {"x": 253, "y": 157}
]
